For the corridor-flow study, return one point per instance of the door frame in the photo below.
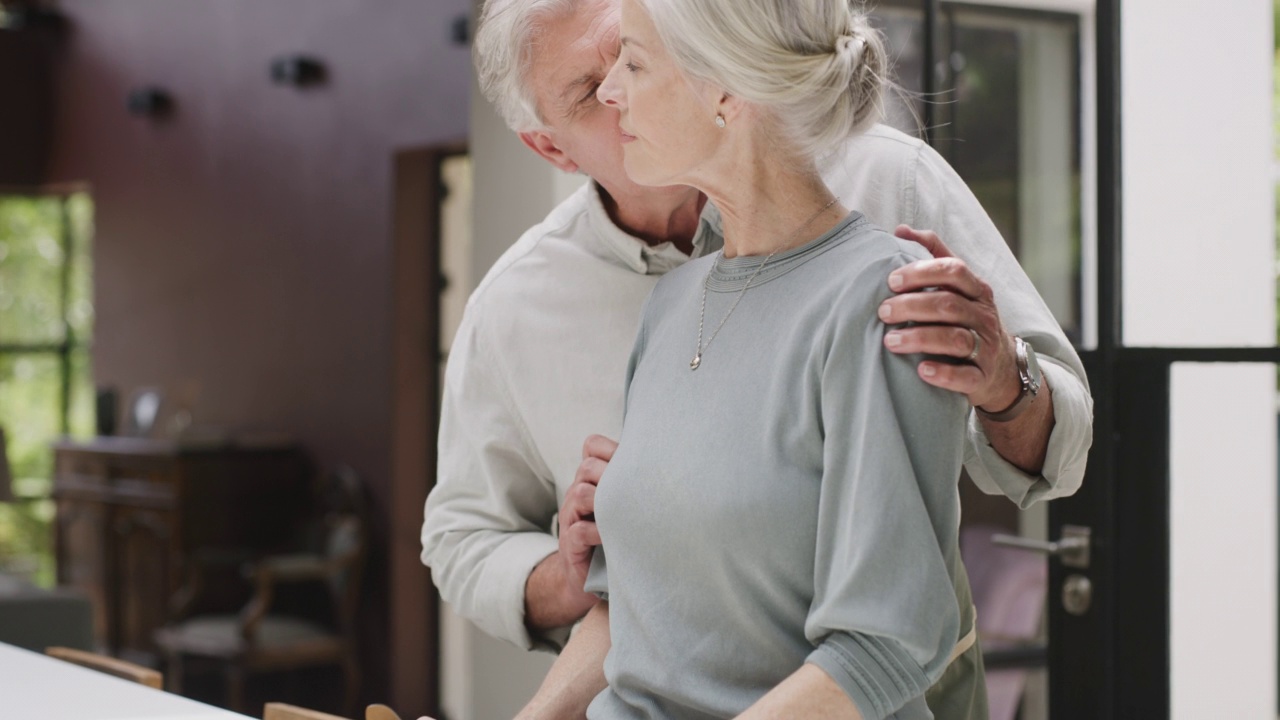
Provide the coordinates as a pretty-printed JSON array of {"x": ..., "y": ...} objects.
[{"x": 415, "y": 604}]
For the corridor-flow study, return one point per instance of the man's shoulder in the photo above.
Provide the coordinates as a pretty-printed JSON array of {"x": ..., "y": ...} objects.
[
  {"x": 884, "y": 141},
  {"x": 553, "y": 245}
]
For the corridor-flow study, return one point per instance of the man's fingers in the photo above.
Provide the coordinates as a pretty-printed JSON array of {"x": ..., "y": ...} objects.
[
  {"x": 939, "y": 307},
  {"x": 590, "y": 470},
  {"x": 948, "y": 272},
  {"x": 928, "y": 238},
  {"x": 957, "y": 342},
  {"x": 587, "y": 533},
  {"x": 599, "y": 446},
  {"x": 579, "y": 501},
  {"x": 963, "y": 379}
]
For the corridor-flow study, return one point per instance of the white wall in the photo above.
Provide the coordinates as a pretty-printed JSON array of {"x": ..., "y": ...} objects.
[
  {"x": 1197, "y": 155},
  {"x": 1223, "y": 526},
  {"x": 1199, "y": 271}
]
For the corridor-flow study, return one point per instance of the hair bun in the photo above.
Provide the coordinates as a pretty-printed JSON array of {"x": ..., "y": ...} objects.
[{"x": 850, "y": 46}]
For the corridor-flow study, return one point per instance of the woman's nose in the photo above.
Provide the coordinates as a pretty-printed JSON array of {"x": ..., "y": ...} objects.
[{"x": 610, "y": 92}]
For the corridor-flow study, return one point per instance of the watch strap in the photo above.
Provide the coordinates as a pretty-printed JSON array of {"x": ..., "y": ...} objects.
[{"x": 1027, "y": 394}]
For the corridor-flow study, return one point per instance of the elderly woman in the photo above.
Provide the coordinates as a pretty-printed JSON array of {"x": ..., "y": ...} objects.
[{"x": 779, "y": 522}]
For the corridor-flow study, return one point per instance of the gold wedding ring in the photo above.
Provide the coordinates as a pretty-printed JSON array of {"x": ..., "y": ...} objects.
[{"x": 977, "y": 345}]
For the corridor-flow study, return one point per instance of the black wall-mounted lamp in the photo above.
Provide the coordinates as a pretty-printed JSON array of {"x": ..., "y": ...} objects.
[
  {"x": 460, "y": 30},
  {"x": 152, "y": 102},
  {"x": 298, "y": 71}
]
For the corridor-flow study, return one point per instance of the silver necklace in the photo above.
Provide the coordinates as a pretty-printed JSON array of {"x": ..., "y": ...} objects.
[{"x": 702, "y": 315}]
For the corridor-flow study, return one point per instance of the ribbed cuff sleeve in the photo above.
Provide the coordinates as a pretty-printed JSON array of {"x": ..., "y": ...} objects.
[{"x": 877, "y": 675}]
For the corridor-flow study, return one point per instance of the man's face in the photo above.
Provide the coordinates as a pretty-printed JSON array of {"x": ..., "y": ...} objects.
[{"x": 568, "y": 63}]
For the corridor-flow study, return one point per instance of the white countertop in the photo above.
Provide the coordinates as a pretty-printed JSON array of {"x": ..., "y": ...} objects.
[{"x": 36, "y": 686}]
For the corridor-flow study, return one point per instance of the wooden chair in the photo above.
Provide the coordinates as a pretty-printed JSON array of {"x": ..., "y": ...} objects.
[
  {"x": 265, "y": 638},
  {"x": 109, "y": 665},
  {"x": 281, "y": 711}
]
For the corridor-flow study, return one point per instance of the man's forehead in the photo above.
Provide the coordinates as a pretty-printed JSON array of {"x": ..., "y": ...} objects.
[{"x": 576, "y": 49}]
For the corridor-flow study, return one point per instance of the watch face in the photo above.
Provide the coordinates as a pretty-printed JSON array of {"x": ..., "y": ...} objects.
[{"x": 1033, "y": 367}]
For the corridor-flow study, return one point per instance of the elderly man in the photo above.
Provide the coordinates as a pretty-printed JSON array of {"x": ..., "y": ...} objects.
[{"x": 538, "y": 364}]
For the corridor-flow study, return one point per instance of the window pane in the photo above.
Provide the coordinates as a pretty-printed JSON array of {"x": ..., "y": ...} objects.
[
  {"x": 1012, "y": 132},
  {"x": 31, "y": 258},
  {"x": 903, "y": 26},
  {"x": 30, "y": 410}
]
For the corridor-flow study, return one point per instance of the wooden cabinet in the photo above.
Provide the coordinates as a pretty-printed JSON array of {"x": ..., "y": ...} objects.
[{"x": 131, "y": 513}]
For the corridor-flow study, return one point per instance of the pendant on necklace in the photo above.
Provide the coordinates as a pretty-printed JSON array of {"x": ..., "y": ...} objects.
[{"x": 697, "y": 360}]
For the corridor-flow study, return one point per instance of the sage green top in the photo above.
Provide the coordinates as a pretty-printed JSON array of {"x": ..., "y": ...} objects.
[{"x": 792, "y": 500}]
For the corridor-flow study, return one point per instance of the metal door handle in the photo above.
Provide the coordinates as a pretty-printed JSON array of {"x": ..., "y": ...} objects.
[{"x": 1072, "y": 549}]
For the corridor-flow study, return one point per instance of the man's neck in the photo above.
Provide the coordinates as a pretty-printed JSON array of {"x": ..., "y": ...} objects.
[{"x": 657, "y": 216}]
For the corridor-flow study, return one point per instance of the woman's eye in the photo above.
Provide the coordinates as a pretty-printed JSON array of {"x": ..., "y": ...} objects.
[{"x": 632, "y": 67}]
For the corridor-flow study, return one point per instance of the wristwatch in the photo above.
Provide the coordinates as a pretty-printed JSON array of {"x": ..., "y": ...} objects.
[{"x": 1030, "y": 377}]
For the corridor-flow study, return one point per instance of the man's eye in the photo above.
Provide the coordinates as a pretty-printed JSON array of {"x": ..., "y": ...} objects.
[{"x": 591, "y": 94}]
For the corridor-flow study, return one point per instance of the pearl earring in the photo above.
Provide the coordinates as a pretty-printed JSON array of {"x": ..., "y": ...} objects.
[{"x": 720, "y": 121}]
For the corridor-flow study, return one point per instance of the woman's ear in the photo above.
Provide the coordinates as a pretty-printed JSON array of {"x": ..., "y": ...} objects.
[{"x": 730, "y": 107}]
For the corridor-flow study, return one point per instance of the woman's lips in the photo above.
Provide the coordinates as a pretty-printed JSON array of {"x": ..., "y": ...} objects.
[{"x": 626, "y": 136}]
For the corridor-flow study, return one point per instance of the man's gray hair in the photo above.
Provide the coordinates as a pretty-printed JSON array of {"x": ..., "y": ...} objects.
[
  {"x": 508, "y": 30},
  {"x": 817, "y": 65}
]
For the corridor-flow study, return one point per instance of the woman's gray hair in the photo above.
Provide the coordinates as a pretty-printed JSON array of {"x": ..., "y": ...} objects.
[
  {"x": 817, "y": 65},
  {"x": 504, "y": 40}
]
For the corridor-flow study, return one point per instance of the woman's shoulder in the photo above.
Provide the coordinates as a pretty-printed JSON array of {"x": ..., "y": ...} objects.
[{"x": 863, "y": 261}]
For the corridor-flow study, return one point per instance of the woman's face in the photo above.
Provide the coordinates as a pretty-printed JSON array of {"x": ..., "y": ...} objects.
[{"x": 667, "y": 121}]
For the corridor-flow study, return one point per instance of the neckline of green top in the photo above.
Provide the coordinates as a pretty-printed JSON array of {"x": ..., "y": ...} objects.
[{"x": 731, "y": 274}]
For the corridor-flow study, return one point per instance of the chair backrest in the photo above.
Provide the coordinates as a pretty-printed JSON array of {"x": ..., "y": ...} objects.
[
  {"x": 109, "y": 665},
  {"x": 281, "y": 711}
]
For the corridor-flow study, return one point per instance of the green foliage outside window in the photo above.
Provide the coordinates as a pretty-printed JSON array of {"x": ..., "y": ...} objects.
[{"x": 46, "y": 387}]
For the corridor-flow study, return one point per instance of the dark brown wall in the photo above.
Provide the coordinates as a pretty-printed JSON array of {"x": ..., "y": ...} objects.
[{"x": 244, "y": 245}]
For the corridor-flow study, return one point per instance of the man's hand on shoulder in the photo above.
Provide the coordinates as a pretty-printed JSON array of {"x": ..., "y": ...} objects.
[{"x": 957, "y": 318}]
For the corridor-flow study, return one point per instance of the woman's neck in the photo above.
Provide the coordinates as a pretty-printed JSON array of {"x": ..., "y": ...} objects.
[{"x": 770, "y": 201}]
